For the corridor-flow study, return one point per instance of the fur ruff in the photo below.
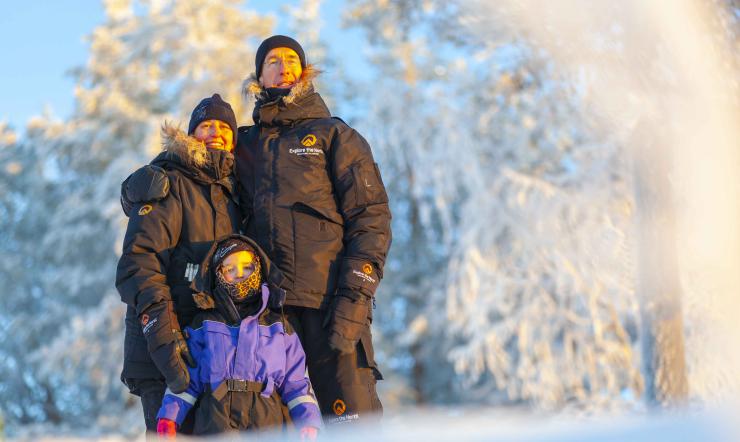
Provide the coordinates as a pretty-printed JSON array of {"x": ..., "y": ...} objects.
[
  {"x": 177, "y": 143},
  {"x": 251, "y": 86}
]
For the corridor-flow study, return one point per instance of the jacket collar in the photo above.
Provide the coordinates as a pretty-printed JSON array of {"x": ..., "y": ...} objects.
[{"x": 301, "y": 103}]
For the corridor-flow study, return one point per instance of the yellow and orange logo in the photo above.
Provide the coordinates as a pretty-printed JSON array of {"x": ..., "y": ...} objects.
[
  {"x": 309, "y": 140},
  {"x": 367, "y": 269},
  {"x": 339, "y": 407},
  {"x": 145, "y": 209},
  {"x": 144, "y": 319}
]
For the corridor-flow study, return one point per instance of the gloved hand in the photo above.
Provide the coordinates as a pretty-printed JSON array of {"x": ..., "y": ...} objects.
[
  {"x": 166, "y": 345},
  {"x": 309, "y": 433},
  {"x": 347, "y": 319},
  {"x": 148, "y": 183},
  {"x": 166, "y": 429}
]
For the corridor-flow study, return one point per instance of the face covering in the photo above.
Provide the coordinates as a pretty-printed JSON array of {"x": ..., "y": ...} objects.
[{"x": 244, "y": 294}]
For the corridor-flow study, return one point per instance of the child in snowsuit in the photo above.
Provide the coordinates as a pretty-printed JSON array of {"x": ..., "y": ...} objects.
[{"x": 249, "y": 359}]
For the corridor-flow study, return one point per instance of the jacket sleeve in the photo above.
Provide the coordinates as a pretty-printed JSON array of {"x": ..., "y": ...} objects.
[
  {"x": 152, "y": 233},
  {"x": 295, "y": 389},
  {"x": 175, "y": 407},
  {"x": 363, "y": 203}
]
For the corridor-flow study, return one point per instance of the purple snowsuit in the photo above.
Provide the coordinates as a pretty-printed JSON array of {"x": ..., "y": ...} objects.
[{"x": 242, "y": 375}]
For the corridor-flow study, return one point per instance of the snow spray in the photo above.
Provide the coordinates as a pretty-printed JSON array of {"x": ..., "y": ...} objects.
[{"x": 663, "y": 77}]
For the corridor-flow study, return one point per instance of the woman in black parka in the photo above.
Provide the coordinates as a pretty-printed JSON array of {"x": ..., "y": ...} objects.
[{"x": 165, "y": 242}]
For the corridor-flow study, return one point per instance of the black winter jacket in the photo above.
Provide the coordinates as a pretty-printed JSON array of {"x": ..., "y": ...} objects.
[
  {"x": 167, "y": 240},
  {"x": 313, "y": 197}
]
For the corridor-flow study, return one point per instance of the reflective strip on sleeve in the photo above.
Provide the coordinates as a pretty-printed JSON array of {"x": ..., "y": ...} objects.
[
  {"x": 187, "y": 397},
  {"x": 305, "y": 399}
]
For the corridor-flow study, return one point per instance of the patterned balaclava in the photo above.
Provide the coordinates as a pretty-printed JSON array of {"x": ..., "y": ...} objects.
[
  {"x": 239, "y": 291},
  {"x": 244, "y": 291}
]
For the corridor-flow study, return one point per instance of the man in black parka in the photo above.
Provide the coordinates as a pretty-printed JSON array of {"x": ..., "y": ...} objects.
[
  {"x": 313, "y": 199},
  {"x": 318, "y": 207}
]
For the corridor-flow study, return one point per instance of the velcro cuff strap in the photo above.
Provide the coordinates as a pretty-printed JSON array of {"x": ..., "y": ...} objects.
[
  {"x": 305, "y": 399},
  {"x": 185, "y": 396},
  {"x": 351, "y": 311}
]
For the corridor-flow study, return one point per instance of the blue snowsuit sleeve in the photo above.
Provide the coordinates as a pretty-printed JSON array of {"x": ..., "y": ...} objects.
[{"x": 295, "y": 388}]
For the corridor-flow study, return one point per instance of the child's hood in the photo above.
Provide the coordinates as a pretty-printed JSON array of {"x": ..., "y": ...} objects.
[{"x": 204, "y": 281}]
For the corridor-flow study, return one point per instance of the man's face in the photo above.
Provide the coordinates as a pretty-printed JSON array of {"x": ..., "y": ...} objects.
[
  {"x": 237, "y": 267},
  {"x": 215, "y": 134},
  {"x": 281, "y": 69}
]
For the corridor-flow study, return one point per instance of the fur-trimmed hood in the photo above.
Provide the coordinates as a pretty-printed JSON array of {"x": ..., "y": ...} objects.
[
  {"x": 301, "y": 101},
  {"x": 251, "y": 86},
  {"x": 187, "y": 149},
  {"x": 184, "y": 152}
]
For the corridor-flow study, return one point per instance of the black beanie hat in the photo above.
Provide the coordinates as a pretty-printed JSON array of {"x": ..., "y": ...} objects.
[
  {"x": 277, "y": 41},
  {"x": 229, "y": 246},
  {"x": 212, "y": 108}
]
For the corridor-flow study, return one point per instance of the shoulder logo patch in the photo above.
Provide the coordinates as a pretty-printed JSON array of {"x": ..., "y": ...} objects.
[
  {"x": 145, "y": 209},
  {"x": 309, "y": 140},
  {"x": 367, "y": 269}
]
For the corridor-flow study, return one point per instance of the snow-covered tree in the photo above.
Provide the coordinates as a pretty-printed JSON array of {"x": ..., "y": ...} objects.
[
  {"x": 150, "y": 61},
  {"x": 661, "y": 79},
  {"x": 510, "y": 274}
]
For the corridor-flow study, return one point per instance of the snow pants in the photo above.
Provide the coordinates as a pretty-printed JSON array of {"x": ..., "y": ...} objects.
[
  {"x": 344, "y": 384},
  {"x": 225, "y": 410}
]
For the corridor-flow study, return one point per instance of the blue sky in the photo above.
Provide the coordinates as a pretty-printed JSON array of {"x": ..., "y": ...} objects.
[{"x": 42, "y": 40}]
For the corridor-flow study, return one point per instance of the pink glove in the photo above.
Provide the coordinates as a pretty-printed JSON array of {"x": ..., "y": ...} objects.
[
  {"x": 166, "y": 429},
  {"x": 309, "y": 433}
]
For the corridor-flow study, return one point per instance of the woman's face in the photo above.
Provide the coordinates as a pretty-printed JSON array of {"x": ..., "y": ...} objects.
[
  {"x": 215, "y": 134},
  {"x": 237, "y": 267}
]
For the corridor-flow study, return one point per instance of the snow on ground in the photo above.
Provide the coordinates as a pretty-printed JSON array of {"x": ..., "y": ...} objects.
[{"x": 461, "y": 424}]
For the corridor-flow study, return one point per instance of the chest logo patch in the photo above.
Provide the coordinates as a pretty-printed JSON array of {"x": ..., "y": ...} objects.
[
  {"x": 145, "y": 209},
  {"x": 309, "y": 140}
]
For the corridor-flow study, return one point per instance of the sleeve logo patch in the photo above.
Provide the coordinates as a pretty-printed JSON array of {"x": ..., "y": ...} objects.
[
  {"x": 309, "y": 140},
  {"x": 363, "y": 276},
  {"x": 367, "y": 269},
  {"x": 339, "y": 407},
  {"x": 145, "y": 209},
  {"x": 149, "y": 325},
  {"x": 144, "y": 319}
]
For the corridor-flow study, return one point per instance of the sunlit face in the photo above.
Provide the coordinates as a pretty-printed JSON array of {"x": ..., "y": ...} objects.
[
  {"x": 215, "y": 134},
  {"x": 281, "y": 69},
  {"x": 237, "y": 267}
]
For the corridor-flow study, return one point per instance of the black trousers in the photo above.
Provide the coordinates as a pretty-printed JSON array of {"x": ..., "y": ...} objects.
[{"x": 344, "y": 384}]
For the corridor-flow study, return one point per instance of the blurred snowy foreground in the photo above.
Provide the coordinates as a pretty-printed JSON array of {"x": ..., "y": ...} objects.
[{"x": 460, "y": 424}]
